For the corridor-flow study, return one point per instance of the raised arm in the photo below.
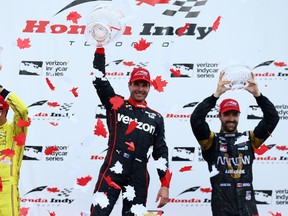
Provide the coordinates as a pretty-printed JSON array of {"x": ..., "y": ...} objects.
[
  {"x": 19, "y": 108},
  {"x": 270, "y": 119},
  {"x": 103, "y": 87},
  {"x": 199, "y": 126}
]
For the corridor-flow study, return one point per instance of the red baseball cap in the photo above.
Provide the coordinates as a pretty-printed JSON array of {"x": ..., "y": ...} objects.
[
  {"x": 140, "y": 74},
  {"x": 229, "y": 104},
  {"x": 3, "y": 104}
]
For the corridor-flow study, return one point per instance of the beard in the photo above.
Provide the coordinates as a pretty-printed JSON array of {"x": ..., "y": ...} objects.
[{"x": 229, "y": 126}]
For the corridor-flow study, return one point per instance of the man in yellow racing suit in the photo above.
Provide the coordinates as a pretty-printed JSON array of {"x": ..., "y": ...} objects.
[{"x": 12, "y": 139}]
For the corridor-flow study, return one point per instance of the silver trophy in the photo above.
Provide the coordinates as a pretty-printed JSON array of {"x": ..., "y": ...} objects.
[
  {"x": 238, "y": 75},
  {"x": 105, "y": 23}
]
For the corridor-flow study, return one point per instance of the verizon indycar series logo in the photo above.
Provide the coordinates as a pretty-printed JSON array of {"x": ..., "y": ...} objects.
[
  {"x": 50, "y": 153},
  {"x": 255, "y": 112},
  {"x": 51, "y": 68}
]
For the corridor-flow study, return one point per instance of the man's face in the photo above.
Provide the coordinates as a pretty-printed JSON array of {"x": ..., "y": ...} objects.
[
  {"x": 3, "y": 114},
  {"x": 229, "y": 120},
  {"x": 139, "y": 90}
]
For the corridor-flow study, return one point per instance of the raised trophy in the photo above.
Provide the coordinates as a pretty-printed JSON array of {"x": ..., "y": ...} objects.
[
  {"x": 238, "y": 75},
  {"x": 105, "y": 23}
]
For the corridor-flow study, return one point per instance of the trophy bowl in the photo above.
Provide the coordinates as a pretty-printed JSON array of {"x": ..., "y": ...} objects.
[
  {"x": 105, "y": 23},
  {"x": 238, "y": 75}
]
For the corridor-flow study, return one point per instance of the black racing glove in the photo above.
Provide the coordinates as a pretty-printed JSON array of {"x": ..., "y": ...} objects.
[{"x": 99, "y": 60}]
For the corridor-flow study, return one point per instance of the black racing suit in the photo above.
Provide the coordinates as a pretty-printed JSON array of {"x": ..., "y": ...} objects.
[
  {"x": 230, "y": 157},
  {"x": 149, "y": 132}
]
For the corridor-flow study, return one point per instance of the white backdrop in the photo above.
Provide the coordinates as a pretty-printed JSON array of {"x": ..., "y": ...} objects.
[{"x": 62, "y": 154}]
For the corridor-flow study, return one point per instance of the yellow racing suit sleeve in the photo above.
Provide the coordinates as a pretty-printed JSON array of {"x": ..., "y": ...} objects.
[
  {"x": 20, "y": 112},
  {"x": 10, "y": 170}
]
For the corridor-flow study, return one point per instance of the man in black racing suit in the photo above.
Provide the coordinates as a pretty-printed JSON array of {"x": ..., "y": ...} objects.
[
  {"x": 128, "y": 148},
  {"x": 230, "y": 154}
]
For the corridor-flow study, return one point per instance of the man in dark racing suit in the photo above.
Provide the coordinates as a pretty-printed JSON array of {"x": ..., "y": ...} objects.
[
  {"x": 229, "y": 153},
  {"x": 133, "y": 129}
]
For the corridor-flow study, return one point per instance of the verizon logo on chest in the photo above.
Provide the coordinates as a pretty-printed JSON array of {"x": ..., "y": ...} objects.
[{"x": 140, "y": 125}]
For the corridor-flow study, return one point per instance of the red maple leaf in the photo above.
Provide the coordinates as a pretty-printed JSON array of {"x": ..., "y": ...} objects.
[
  {"x": 216, "y": 23},
  {"x": 50, "y": 150},
  {"x": 131, "y": 146},
  {"x": 206, "y": 190},
  {"x": 83, "y": 181},
  {"x": 54, "y": 123},
  {"x": 152, "y": 2},
  {"x": 7, "y": 153},
  {"x": 129, "y": 63},
  {"x": 159, "y": 213},
  {"x": 74, "y": 91},
  {"x": 159, "y": 84},
  {"x": 132, "y": 125},
  {"x": 74, "y": 16},
  {"x": 52, "y": 213},
  {"x": 142, "y": 45},
  {"x": 111, "y": 183},
  {"x": 53, "y": 190},
  {"x": 20, "y": 139},
  {"x": 282, "y": 148},
  {"x": 262, "y": 149},
  {"x": 24, "y": 211},
  {"x": 51, "y": 86},
  {"x": 22, "y": 123},
  {"x": 53, "y": 104},
  {"x": 176, "y": 73},
  {"x": 22, "y": 44},
  {"x": 100, "y": 129},
  {"x": 185, "y": 168},
  {"x": 183, "y": 29},
  {"x": 116, "y": 102},
  {"x": 280, "y": 64},
  {"x": 277, "y": 213}
]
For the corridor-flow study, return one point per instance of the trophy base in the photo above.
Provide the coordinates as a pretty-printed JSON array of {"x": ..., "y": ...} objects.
[{"x": 99, "y": 33}]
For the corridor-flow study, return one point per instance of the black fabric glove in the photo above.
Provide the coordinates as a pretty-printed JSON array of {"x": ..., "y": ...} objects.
[{"x": 99, "y": 60}]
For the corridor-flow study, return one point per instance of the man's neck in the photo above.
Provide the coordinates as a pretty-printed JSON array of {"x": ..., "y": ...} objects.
[{"x": 137, "y": 104}]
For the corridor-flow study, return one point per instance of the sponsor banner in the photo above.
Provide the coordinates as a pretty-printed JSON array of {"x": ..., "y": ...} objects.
[{"x": 185, "y": 44}]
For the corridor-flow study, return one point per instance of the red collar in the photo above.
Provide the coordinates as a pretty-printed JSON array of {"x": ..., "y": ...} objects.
[{"x": 137, "y": 104}]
